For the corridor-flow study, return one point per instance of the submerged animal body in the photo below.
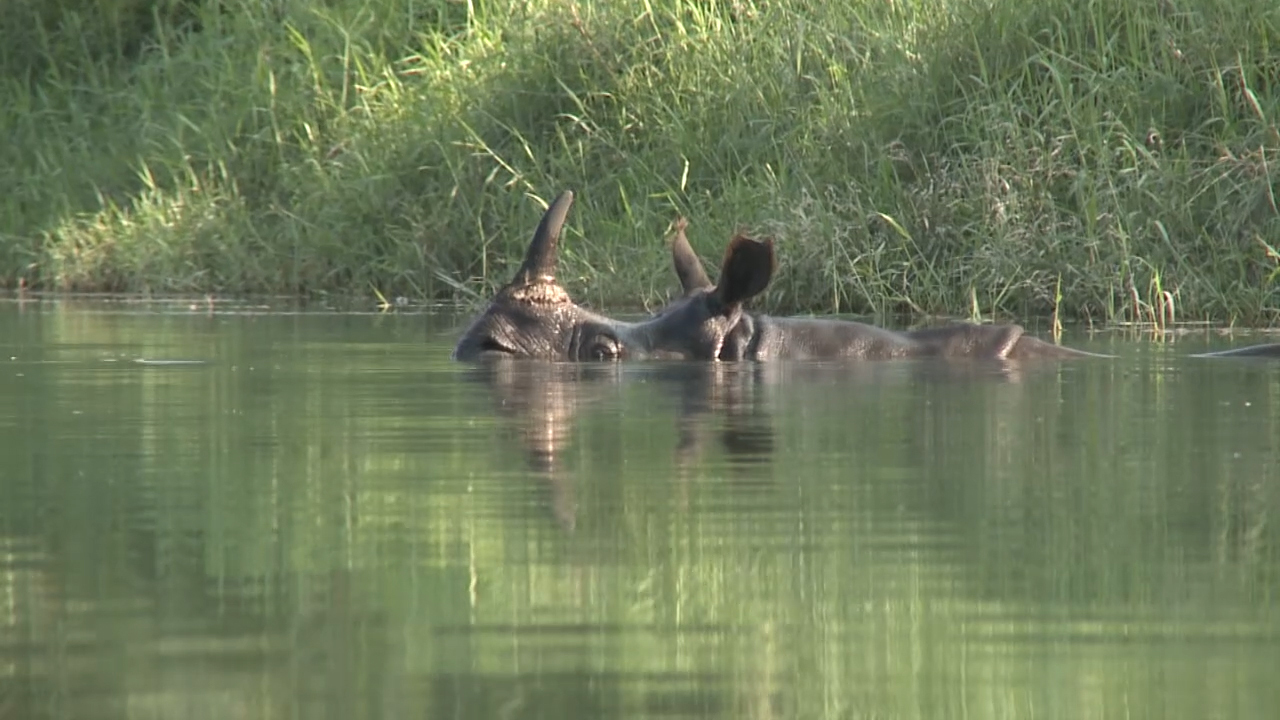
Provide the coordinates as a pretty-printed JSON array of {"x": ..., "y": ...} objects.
[
  {"x": 1267, "y": 350},
  {"x": 533, "y": 316},
  {"x": 710, "y": 323}
]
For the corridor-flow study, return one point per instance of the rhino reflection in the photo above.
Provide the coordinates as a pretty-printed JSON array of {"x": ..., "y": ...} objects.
[
  {"x": 541, "y": 401},
  {"x": 718, "y": 405},
  {"x": 730, "y": 395}
]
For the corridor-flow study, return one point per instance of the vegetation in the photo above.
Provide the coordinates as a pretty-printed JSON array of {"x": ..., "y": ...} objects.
[{"x": 1113, "y": 160}]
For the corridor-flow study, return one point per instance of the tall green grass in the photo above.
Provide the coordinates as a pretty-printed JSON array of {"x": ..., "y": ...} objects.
[{"x": 1110, "y": 160}]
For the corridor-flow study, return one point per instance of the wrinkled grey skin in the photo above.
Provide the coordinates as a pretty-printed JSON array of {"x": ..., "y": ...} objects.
[
  {"x": 709, "y": 322},
  {"x": 533, "y": 316}
]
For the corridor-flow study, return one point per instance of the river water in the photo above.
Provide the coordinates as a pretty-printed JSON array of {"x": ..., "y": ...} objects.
[{"x": 242, "y": 512}]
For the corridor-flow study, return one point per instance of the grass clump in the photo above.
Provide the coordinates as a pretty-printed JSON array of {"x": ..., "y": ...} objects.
[{"x": 1104, "y": 160}]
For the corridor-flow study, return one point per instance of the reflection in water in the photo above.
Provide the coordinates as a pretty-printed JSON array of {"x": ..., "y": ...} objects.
[
  {"x": 542, "y": 400},
  {"x": 328, "y": 520},
  {"x": 728, "y": 394}
]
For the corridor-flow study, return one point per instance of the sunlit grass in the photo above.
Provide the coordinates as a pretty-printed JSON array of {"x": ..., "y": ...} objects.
[{"x": 1109, "y": 162}]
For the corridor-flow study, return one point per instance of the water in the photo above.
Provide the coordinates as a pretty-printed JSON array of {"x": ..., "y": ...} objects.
[{"x": 319, "y": 516}]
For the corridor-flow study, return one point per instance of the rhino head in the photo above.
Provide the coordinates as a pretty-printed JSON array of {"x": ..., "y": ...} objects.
[
  {"x": 707, "y": 322},
  {"x": 533, "y": 316}
]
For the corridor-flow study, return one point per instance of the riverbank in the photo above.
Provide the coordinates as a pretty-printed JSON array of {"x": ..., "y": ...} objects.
[{"x": 963, "y": 157}]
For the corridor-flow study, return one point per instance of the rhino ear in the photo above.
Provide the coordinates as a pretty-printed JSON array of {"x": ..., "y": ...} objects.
[
  {"x": 747, "y": 269},
  {"x": 540, "y": 259},
  {"x": 688, "y": 267}
]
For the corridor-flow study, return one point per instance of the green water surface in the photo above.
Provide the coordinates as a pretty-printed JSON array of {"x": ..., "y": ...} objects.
[{"x": 238, "y": 512}]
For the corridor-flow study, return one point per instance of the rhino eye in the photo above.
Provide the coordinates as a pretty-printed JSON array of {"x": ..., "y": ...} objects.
[
  {"x": 604, "y": 348},
  {"x": 489, "y": 345}
]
